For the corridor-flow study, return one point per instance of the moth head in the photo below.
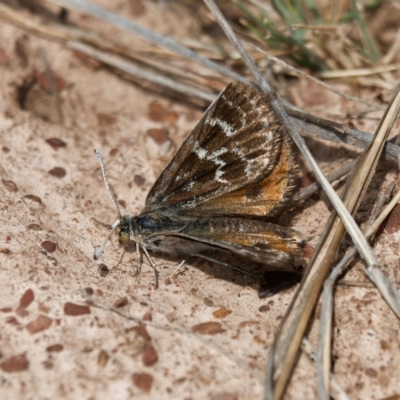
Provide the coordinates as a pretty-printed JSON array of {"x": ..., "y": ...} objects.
[
  {"x": 120, "y": 222},
  {"x": 126, "y": 229}
]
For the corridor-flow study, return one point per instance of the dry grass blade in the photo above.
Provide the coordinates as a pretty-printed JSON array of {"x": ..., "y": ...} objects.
[
  {"x": 311, "y": 126},
  {"x": 296, "y": 71},
  {"x": 365, "y": 168},
  {"x": 150, "y": 58},
  {"x": 337, "y": 391},
  {"x": 9, "y": 13},
  {"x": 335, "y": 175},
  {"x": 151, "y": 37},
  {"x": 238, "y": 45},
  {"x": 358, "y": 72},
  {"x": 387, "y": 290},
  {"x": 325, "y": 327},
  {"x": 141, "y": 73},
  {"x": 359, "y": 284}
]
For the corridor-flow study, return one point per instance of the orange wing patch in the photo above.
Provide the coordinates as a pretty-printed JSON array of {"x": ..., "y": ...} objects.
[
  {"x": 264, "y": 198},
  {"x": 263, "y": 240}
]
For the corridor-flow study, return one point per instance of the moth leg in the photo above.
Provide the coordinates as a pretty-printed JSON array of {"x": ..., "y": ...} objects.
[
  {"x": 120, "y": 260},
  {"x": 181, "y": 265},
  {"x": 138, "y": 260},
  {"x": 227, "y": 265},
  {"x": 102, "y": 223},
  {"x": 152, "y": 263}
]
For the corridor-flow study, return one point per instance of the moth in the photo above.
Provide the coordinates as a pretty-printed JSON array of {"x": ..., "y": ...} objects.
[{"x": 232, "y": 175}]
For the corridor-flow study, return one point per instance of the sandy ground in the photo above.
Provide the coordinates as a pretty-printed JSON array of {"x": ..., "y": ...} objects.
[{"x": 55, "y": 345}]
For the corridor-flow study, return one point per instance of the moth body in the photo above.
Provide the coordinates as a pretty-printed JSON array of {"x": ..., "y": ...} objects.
[
  {"x": 270, "y": 244},
  {"x": 233, "y": 174}
]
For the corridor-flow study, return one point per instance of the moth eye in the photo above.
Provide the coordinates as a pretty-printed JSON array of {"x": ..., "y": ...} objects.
[{"x": 124, "y": 237}]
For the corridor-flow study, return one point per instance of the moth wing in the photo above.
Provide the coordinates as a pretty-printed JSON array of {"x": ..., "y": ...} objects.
[
  {"x": 264, "y": 198},
  {"x": 270, "y": 244},
  {"x": 236, "y": 143}
]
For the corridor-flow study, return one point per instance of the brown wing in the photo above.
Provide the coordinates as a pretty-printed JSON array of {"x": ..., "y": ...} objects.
[
  {"x": 270, "y": 244},
  {"x": 236, "y": 143},
  {"x": 273, "y": 245},
  {"x": 264, "y": 198}
]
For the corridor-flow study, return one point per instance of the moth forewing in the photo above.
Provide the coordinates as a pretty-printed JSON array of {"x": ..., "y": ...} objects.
[{"x": 237, "y": 142}]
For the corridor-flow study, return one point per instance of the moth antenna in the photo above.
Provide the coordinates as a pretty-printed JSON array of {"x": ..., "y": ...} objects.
[
  {"x": 99, "y": 251},
  {"x": 103, "y": 171}
]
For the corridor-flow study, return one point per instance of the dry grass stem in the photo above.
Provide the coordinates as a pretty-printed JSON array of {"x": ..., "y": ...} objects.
[
  {"x": 350, "y": 283},
  {"x": 311, "y": 126},
  {"x": 28, "y": 23},
  {"x": 358, "y": 72},
  {"x": 238, "y": 45},
  {"x": 336, "y": 391},
  {"x": 149, "y": 36},
  {"x": 141, "y": 73},
  {"x": 316, "y": 28},
  {"x": 296, "y": 71},
  {"x": 325, "y": 327},
  {"x": 154, "y": 58},
  {"x": 314, "y": 187}
]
